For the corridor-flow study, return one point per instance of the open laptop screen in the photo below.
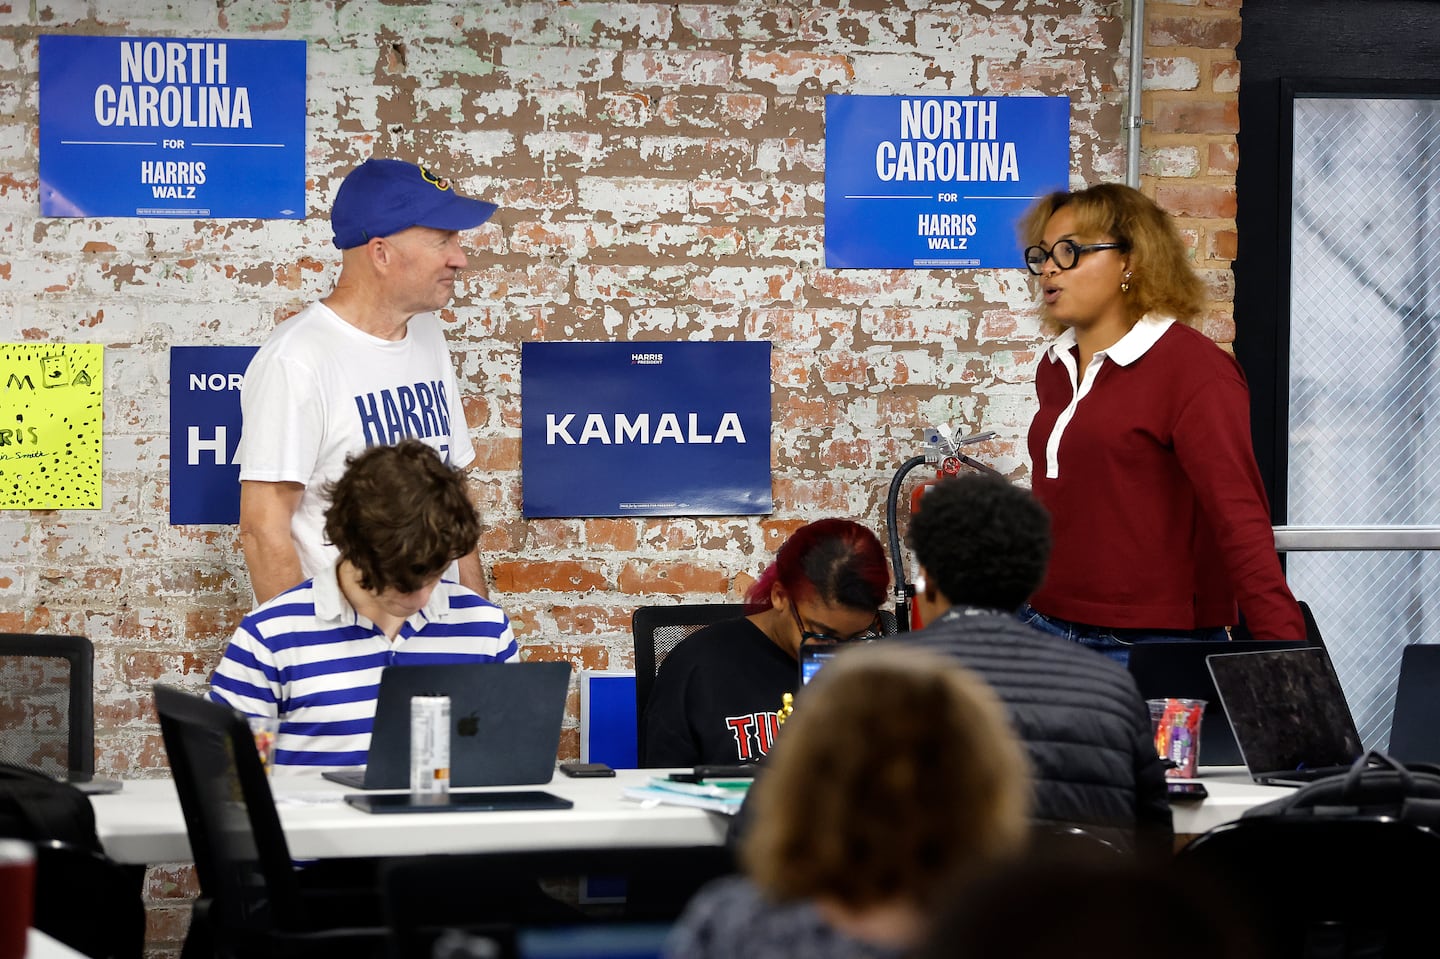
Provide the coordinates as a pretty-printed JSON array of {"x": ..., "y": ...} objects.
[
  {"x": 1178, "y": 670},
  {"x": 1287, "y": 710}
]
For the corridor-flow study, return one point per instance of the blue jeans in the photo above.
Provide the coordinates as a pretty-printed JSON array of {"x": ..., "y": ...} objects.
[{"x": 1114, "y": 643}]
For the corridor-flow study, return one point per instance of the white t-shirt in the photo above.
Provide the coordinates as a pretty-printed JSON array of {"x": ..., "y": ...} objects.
[{"x": 320, "y": 390}]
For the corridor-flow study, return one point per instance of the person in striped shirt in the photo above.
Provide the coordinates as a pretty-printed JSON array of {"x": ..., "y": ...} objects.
[{"x": 312, "y": 656}]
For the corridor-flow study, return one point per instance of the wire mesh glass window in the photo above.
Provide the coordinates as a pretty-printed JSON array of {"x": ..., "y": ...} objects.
[{"x": 1364, "y": 421}]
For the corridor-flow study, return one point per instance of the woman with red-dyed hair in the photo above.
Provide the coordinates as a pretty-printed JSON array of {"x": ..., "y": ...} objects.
[{"x": 718, "y": 694}]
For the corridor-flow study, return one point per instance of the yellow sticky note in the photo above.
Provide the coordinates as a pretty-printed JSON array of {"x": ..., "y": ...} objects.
[{"x": 52, "y": 402}]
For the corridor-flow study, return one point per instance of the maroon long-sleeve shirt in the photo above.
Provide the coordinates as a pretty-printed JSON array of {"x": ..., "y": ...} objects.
[{"x": 1160, "y": 519}]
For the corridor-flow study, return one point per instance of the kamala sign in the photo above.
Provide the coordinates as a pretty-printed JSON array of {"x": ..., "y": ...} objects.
[{"x": 645, "y": 429}]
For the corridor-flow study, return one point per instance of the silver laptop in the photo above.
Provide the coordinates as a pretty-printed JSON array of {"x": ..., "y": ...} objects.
[
  {"x": 1288, "y": 713},
  {"x": 504, "y": 723}
]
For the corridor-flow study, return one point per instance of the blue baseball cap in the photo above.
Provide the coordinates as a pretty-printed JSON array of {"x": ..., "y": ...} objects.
[{"x": 381, "y": 197}]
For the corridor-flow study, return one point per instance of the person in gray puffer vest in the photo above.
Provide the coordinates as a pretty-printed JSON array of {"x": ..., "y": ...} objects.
[{"x": 983, "y": 544}]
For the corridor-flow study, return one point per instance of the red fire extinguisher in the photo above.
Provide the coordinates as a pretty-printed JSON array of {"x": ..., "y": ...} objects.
[{"x": 943, "y": 452}]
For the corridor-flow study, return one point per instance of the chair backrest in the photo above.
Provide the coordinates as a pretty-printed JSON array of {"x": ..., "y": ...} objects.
[
  {"x": 70, "y": 879},
  {"x": 235, "y": 835},
  {"x": 658, "y": 630},
  {"x": 1313, "y": 637},
  {"x": 1066, "y": 841},
  {"x": 500, "y": 894},
  {"x": 47, "y": 699},
  {"x": 1332, "y": 885}
]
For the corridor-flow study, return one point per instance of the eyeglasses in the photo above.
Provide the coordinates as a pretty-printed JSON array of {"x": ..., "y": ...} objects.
[
  {"x": 1065, "y": 253},
  {"x": 809, "y": 636}
]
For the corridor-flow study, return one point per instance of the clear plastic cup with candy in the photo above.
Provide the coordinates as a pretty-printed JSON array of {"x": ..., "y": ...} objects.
[{"x": 1175, "y": 724}]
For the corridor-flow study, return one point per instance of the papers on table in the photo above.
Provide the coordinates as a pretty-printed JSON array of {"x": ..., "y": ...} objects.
[{"x": 716, "y": 795}]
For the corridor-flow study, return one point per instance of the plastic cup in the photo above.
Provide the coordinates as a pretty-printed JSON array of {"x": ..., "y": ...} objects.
[
  {"x": 265, "y": 729},
  {"x": 1175, "y": 726},
  {"x": 17, "y": 892}
]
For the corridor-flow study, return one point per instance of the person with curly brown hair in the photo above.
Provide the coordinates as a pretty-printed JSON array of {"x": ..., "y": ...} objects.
[
  {"x": 313, "y": 655},
  {"x": 896, "y": 776}
]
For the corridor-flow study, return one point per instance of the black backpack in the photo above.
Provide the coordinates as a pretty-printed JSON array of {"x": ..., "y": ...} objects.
[
  {"x": 35, "y": 806},
  {"x": 1375, "y": 785},
  {"x": 82, "y": 897}
]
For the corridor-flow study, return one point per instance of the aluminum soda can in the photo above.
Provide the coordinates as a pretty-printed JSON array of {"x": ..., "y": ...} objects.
[{"x": 430, "y": 745}]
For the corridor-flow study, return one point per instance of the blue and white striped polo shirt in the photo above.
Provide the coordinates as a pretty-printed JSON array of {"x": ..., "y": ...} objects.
[{"x": 308, "y": 657}]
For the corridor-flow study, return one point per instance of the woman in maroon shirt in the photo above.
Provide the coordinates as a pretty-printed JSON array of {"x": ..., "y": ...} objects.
[{"x": 1141, "y": 447}]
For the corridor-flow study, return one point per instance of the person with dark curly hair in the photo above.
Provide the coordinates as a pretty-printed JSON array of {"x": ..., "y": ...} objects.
[
  {"x": 718, "y": 694},
  {"x": 1140, "y": 448},
  {"x": 982, "y": 544},
  {"x": 312, "y": 656},
  {"x": 896, "y": 777}
]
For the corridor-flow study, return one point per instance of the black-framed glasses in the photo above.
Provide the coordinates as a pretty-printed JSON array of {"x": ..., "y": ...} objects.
[
  {"x": 1065, "y": 253},
  {"x": 809, "y": 636}
]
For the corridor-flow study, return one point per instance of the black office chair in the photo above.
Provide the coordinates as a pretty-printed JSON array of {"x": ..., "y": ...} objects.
[
  {"x": 253, "y": 901},
  {"x": 46, "y": 681},
  {"x": 658, "y": 630},
  {"x": 495, "y": 896},
  {"x": 1065, "y": 842},
  {"x": 1324, "y": 886},
  {"x": 1313, "y": 636},
  {"x": 71, "y": 880}
]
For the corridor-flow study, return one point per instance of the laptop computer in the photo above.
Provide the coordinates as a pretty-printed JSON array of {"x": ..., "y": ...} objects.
[
  {"x": 504, "y": 723},
  {"x": 509, "y": 801},
  {"x": 1415, "y": 723},
  {"x": 1178, "y": 671},
  {"x": 1288, "y": 713}
]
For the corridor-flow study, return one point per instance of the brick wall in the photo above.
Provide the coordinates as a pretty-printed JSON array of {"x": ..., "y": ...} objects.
[{"x": 660, "y": 173}]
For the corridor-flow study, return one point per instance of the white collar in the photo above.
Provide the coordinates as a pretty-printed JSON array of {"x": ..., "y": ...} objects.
[
  {"x": 1124, "y": 351},
  {"x": 332, "y": 606}
]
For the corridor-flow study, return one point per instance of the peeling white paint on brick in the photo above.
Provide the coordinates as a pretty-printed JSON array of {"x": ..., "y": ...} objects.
[
  {"x": 660, "y": 173},
  {"x": 1171, "y": 73},
  {"x": 1010, "y": 287},
  {"x": 563, "y": 66},
  {"x": 632, "y": 199}
]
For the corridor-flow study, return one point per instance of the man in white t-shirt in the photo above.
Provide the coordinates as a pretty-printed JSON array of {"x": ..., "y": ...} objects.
[{"x": 366, "y": 366}]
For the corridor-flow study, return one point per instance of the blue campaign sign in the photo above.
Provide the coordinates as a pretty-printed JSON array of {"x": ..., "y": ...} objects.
[
  {"x": 205, "y": 386},
  {"x": 645, "y": 429},
  {"x": 937, "y": 181},
  {"x": 162, "y": 126}
]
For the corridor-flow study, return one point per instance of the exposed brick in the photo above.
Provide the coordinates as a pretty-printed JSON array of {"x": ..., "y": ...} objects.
[
  {"x": 1219, "y": 326},
  {"x": 620, "y": 535},
  {"x": 1204, "y": 201},
  {"x": 576, "y": 654},
  {"x": 1194, "y": 116},
  {"x": 171, "y": 881},
  {"x": 1224, "y": 244},
  {"x": 1175, "y": 161},
  {"x": 1210, "y": 33},
  {"x": 1171, "y": 73},
  {"x": 660, "y": 172},
  {"x": 566, "y": 576},
  {"x": 590, "y": 620},
  {"x": 678, "y": 579},
  {"x": 1225, "y": 76},
  {"x": 1222, "y": 159}
]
